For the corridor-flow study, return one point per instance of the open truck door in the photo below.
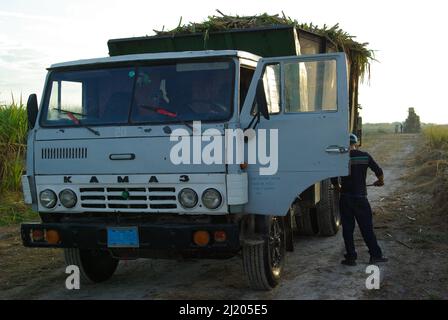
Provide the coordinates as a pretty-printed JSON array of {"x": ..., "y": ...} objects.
[{"x": 304, "y": 101}]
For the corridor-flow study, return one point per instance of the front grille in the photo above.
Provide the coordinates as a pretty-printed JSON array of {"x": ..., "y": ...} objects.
[
  {"x": 64, "y": 153},
  {"x": 132, "y": 198}
]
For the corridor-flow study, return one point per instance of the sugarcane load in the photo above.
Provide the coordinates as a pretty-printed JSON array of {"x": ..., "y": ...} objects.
[{"x": 212, "y": 140}]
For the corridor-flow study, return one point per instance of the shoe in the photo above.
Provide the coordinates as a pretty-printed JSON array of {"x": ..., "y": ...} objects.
[
  {"x": 378, "y": 260},
  {"x": 349, "y": 262}
]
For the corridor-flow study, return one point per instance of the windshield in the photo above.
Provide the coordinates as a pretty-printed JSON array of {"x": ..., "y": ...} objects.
[{"x": 177, "y": 92}]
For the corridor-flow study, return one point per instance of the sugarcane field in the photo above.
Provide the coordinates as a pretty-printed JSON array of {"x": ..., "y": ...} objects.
[{"x": 222, "y": 160}]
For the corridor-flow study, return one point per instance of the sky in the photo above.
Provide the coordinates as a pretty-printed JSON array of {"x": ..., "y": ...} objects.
[{"x": 407, "y": 36}]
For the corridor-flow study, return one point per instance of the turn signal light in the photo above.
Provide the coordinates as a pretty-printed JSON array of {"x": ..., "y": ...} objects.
[
  {"x": 201, "y": 238},
  {"x": 220, "y": 236},
  {"x": 52, "y": 237}
]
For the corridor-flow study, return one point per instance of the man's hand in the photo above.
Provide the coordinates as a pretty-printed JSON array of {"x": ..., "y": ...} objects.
[{"x": 379, "y": 182}]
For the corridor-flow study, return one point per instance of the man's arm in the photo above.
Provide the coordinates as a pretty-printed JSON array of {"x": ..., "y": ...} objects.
[{"x": 378, "y": 172}]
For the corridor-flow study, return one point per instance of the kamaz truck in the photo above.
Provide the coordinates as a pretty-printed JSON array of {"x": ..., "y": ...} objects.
[{"x": 191, "y": 146}]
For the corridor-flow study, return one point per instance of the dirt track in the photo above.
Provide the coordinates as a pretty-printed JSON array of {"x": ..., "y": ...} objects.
[{"x": 417, "y": 269}]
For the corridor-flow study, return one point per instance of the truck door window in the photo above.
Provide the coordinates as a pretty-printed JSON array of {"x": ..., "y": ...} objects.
[
  {"x": 271, "y": 83},
  {"x": 246, "y": 76},
  {"x": 271, "y": 80},
  {"x": 311, "y": 86}
]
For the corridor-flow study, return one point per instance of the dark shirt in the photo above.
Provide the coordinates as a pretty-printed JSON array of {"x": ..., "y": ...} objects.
[{"x": 355, "y": 183}]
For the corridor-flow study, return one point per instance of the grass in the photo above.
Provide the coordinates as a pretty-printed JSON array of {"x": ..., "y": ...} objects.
[
  {"x": 13, "y": 211},
  {"x": 13, "y": 134},
  {"x": 369, "y": 129},
  {"x": 437, "y": 136},
  {"x": 377, "y": 128},
  {"x": 431, "y": 168}
]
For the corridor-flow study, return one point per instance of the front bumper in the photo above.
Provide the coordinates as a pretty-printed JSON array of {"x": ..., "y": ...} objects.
[{"x": 174, "y": 238}]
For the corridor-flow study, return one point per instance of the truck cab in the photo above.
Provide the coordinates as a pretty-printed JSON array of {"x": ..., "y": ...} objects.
[{"x": 200, "y": 153}]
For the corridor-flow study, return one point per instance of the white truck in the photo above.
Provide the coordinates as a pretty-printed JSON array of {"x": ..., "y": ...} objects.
[{"x": 128, "y": 155}]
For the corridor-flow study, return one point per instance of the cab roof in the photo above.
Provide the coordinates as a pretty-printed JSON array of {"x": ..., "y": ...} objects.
[{"x": 156, "y": 56}]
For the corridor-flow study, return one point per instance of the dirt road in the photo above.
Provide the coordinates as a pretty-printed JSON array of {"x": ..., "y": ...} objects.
[{"x": 417, "y": 252}]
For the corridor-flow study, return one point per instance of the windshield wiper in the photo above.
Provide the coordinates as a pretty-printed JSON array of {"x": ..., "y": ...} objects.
[
  {"x": 76, "y": 121},
  {"x": 167, "y": 113},
  {"x": 72, "y": 112}
]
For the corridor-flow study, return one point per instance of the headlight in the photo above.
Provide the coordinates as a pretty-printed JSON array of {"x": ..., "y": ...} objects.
[
  {"x": 211, "y": 198},
  {"x": 68, "y": 198},
  {"x": 188, "y": 198},
  {"x": 48, "y": 199}
]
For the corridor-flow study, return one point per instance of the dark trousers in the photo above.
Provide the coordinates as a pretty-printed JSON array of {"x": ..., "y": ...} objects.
[{"x": 358, "y": 208}]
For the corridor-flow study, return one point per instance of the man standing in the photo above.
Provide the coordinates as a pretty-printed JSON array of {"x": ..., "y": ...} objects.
[{"x": 354, "y": 205}]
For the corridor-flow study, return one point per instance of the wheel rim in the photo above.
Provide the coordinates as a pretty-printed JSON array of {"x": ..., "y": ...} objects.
[{"x": 276, "y": 246}]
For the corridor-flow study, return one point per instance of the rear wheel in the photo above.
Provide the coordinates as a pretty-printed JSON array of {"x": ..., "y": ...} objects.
[
  {"x": 94, "y": 265},
  {"x": 305, "y": 220},
  {"x": 263, "y": 262},
  {"x": 289, "y": 233},
  {"x": 328, "y": 215}
]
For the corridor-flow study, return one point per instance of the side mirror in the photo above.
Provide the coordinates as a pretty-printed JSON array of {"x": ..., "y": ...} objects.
[
  {"x": 261, "y": 100},
  {"x": 32, "y": 109}
]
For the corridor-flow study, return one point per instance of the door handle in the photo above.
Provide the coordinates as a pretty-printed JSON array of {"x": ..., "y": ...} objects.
[{"x": 336, "y": 149}]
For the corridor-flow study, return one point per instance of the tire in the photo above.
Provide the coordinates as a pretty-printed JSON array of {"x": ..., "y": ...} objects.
[
  {"x": 263, "y": 263},
  {"x": 94, "y": 265},
  {"x": 328, "y": 215},
  {"x": 306, "y": 225},
  {"x": 289, "y": 232}
]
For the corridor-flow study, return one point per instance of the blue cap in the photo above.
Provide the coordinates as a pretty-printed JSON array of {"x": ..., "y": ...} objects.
[{"x": 353, "y": 139}]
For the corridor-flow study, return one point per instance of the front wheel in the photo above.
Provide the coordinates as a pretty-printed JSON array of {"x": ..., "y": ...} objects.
[
  {"x": 264, "y": 262},
  {"x": 94, "y": 265}
]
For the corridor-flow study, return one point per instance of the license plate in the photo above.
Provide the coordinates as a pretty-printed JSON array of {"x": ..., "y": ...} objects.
[{"x": 122, "y": 237}]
